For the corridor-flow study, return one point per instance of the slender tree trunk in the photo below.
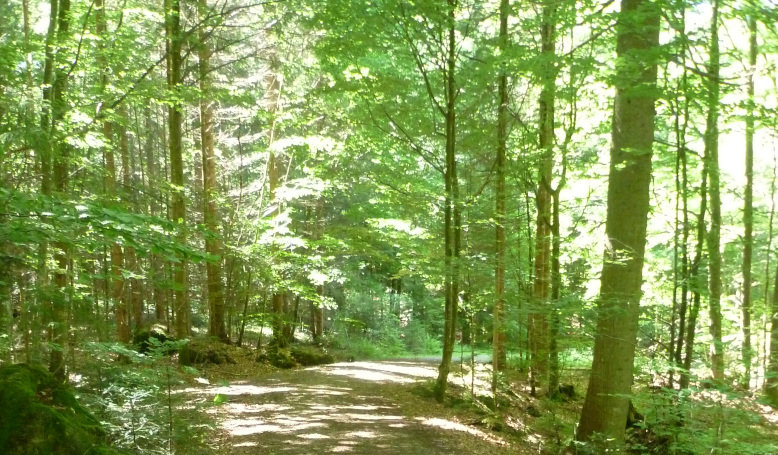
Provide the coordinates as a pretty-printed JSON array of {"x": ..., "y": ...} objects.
[
  {"x": 132, "y": 300},
  {"x": 318, "y": 310},
  {"x": 748, "y": 209},
  {"x": 60, "y": 155},
  {"x": 767, "y": 307},
  {"x": 498, "y": 337},
  {"x": 452, "y": 213},
  {"x": 608, "y": 395},
  {"x": 696, "y": 281},
  {"x": 714, "y": 235},
  {"x": 156, "y": 263},
  {"x": 117, "y": 255},
  {"x": 178, "y": 206},
  {"x": 538, "y": 318},
  {"x": 771, "y": 383}
]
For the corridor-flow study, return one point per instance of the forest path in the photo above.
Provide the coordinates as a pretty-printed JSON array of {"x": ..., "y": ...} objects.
[{"x": 354, "y": 408}]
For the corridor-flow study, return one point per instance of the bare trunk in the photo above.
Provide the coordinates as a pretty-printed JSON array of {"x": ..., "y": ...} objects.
[
  {"x": 748, "y": 209},
  {"x": 498, "y": 337},
  {"x": 213, "y": 244},
  {"x": 714, "y": 235},
  {"x": 453, "y": 215},
  {"x": 178, "y": 206},
  {"x": 608, "y": 396}
]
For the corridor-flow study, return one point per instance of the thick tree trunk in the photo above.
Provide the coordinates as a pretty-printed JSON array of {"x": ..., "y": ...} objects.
[
  {"x": 608, "y": 396},
  {"x": 714, "y": 235},
  {"x": 178, "y": 206},
  {"x": 498, "y": 336},
  {"x": 213, "y": 245}
]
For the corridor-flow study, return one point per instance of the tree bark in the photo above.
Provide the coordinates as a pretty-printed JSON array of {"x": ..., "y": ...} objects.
[
  {"x": 538, "y": 318},
  {"x": 748, "y": 209},
  {"x": 178, "y": 205},
  {"x": 60, "y": 156},
  {"x": 714, "y": 191},
  {"x": 498, "y": 336},
  {"x": 608, "y": 395},
  {"x": 452, "y": 213},
  {"x": 213, "y": 245}
]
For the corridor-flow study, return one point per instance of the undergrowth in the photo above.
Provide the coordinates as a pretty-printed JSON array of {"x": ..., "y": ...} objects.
[{"x": 135, "y": 395}]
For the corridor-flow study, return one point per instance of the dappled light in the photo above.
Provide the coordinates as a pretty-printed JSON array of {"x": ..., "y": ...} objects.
[
  {"x": 400, "y": 372},
  {"x": 449, "y": 425},
  {"x": 331, "y": 409}
]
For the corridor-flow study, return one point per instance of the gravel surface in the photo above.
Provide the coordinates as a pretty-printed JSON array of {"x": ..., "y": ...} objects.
[{"x": 350, "y": 407}]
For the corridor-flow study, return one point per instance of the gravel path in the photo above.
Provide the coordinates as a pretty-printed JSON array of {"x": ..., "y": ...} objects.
[{"x": 354, "y": 408}]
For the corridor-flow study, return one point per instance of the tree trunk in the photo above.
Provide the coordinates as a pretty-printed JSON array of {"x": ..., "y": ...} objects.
[
  {"x": 696, "y": 283},
  {"x": 213, "y": 245},
  {"x": 748, "y": 209},
  {"x": 60, "y": 156},
  {"x": 498, "y": 336},
  {"x": 178, "y": 206},
  {"x": 771, "y": 383},
  {"x": 452, "y": 213},
  {"x": 714, "y": 235},
  {"x": 117, "y": 255},
  {"x": 608, "y": 396},
  {"x": 538, "y": 318}
]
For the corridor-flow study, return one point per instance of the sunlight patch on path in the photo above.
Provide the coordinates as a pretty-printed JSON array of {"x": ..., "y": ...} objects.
[
  {"x": 449, "y": 425},
  {"x": 399, "y": 372}
]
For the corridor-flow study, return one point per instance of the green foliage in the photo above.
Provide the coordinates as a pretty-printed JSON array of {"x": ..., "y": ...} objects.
[
  {"x": 135, "y": 397},
  {"x": 700, "y": 421},
  {"x": 38, "y": 414}
]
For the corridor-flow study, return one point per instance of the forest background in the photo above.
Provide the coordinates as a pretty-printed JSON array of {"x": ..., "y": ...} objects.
[{"x": 393, "y": 178}]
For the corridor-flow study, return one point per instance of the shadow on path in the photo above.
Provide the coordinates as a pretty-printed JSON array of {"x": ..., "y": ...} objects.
[{"x": 338, "y": 408}]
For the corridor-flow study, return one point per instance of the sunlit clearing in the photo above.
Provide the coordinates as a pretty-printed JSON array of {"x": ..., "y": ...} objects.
[
  {"x": 313, "y": 436},
  {"x": 340, "y": 449},
  {"x": 374, "y": 371},
  {"x": 242, "y": 408},
  {"x": 237, "y": 389},
  {"x": 449, "y": 425},
  {"x": 370, "y": 375},
  {"x": 362, "y": 434},
  {"x": 246, "y": 444},
  {"x": 245, "y": 427}
]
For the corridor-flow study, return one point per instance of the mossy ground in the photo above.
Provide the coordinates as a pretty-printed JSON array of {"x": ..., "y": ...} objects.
[{"x": 39, "y": 415}]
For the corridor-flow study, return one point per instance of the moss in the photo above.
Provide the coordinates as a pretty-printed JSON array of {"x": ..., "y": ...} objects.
[
  {"x": 311, "y": 355},
  {"x": 205, "y": 350},
  {"x": 39, "y": 415}
]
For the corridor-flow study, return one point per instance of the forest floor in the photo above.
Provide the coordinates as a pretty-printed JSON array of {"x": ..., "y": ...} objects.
[{"x": 375, "y": 408}]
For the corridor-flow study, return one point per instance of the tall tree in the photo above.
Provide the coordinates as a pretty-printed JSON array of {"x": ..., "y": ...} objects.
[
  {"x": 175, "y": 127},
  {"x": 748, "y": 201},
  {"x": 60, "y": 158},
  {"x": 714, "y": 191},
  {"x": 213, "y": 245},
  {"x": 109, "y": 179},
  {"x": 539, "y": 317},
  {"x": 607, "y": 397},
  {"x": 453, "y": 208},
  {"x": 498, "y": 341}
]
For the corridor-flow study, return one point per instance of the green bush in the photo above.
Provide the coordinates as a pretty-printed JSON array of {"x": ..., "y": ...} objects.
[
  {"x": 311, "y": 355},
  {"x": 418, "y": 340}
]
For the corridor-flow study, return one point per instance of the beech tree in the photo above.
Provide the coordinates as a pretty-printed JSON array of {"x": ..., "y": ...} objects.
[{"x": 629, "y": 179}]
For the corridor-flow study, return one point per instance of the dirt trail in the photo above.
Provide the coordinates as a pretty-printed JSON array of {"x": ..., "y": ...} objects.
[{"x": 354, "y": 408}]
